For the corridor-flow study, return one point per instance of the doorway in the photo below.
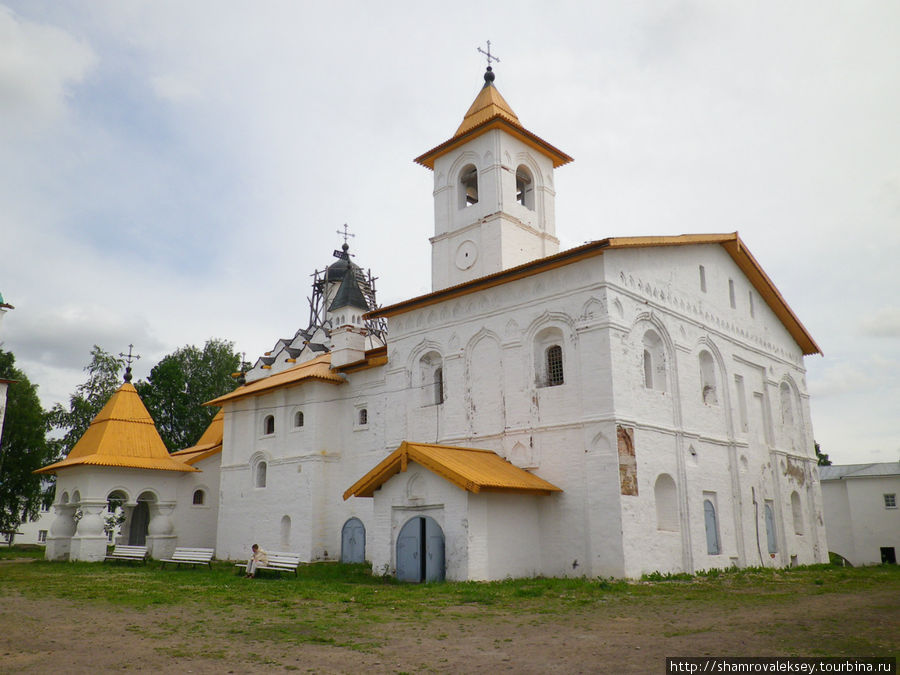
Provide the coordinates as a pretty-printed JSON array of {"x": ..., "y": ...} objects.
[
  {"x": 353, "y": 541},
  {"x": 420, "y": 551},
  {"x": 140, "y": 523}
]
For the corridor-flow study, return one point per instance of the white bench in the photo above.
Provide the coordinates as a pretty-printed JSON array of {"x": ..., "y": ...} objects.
[
  {"x": 132, "y": 553},
  {"x": 279, "y": 561},
  {"x": 190, "y": 556}
]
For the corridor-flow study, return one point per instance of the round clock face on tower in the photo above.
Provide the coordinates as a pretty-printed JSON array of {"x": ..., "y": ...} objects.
[{"x": 466, "y": 254}]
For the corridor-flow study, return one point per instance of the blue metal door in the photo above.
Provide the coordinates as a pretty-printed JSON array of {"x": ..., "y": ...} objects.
[
  {"x": 712, "y": 528},
  {"x": 420, "y": 551},
  {"x": 353, "y": 541}
]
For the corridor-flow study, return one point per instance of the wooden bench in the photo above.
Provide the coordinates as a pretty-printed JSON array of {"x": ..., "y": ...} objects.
[
  {"x": 132, "y": 553},
  {"x": 279, "y": 561},
  {"x": 190, "y": 556}
]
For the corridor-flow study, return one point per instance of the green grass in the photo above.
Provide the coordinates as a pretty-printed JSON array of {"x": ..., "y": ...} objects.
[{"x": 345, "y": 605}]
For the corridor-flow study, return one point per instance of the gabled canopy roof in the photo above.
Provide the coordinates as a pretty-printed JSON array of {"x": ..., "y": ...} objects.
[
  {"x": 467, "y": 468},
  {"x": 731, "y": 242},
  {"x": 209, "y": 444},
  {"x": 318, "y": 368},
  {"x": 489, "y": 111},
  {"x": 121, "y": 435}
]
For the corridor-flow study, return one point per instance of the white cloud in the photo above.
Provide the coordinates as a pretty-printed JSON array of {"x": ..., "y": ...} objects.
[
  {"x": 39, "y": 63},
  {"x": 885, "y": 323}
]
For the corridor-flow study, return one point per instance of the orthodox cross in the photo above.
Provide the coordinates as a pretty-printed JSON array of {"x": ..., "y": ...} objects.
[
  {"x": 345, "y": 233},
  {"x": 488, "y": 54},
  {"x": 129, "y": 359}
]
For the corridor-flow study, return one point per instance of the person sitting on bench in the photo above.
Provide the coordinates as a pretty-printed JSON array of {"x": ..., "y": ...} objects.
[{"x": 259, "y": 558}]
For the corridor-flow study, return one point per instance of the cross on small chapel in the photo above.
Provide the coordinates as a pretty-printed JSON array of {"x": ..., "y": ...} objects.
[
  {"x": 129, "y": 359},
  {"x": 488, "y": 54},
  {"x": 345, "y": 233}
]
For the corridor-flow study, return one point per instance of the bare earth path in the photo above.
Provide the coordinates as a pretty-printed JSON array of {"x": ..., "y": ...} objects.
[{"x": 61, "y": 636}]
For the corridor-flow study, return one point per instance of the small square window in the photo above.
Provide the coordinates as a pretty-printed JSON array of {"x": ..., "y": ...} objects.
[{"x": 890, "y": 501}]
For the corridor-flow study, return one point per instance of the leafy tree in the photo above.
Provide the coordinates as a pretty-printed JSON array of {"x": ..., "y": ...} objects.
[
  {"x": 821, "y": 456},
  {"x": 88, "y": 399},
  {"x": 23, "y": 448},
  {"x": 181, "y": 383}
]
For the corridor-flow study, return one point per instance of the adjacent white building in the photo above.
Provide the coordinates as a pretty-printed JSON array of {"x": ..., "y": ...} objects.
[
  {"x": 861, "y": 511},
  {"x": 631, "y": 405}
]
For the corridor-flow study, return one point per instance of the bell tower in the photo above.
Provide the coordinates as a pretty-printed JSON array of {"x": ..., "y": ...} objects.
[{"x": 493, "y": 193}]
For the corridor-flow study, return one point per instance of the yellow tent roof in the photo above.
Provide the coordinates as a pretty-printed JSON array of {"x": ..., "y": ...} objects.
[
  {"x": 209, "y": 444},
  {"x": 468, "y": 468},
  {"x": 121, "y": 435},
  {"x": 318, "y": 368},
  {"x": 489, "y": 111}
]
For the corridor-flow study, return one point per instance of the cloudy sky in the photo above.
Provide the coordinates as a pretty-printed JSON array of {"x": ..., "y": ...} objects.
[{"x": 172, "y": 171}]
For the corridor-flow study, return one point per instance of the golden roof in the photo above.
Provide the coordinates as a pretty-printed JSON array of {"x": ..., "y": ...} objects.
[
  {"x": 467, "y": 468},
  {"x": 318, "y": 368},
  {"x": 209, "y": 444},
  {"x": 489, "y": 111},
  {"x": 121, "y": 435},
  {"x": 731, "y": 242}
]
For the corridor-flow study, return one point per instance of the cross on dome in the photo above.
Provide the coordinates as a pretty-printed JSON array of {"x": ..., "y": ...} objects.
[{"x": 129, "y": 359}]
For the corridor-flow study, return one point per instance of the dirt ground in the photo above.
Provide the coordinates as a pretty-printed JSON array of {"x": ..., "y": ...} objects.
[{"x": 51, "y": 635}]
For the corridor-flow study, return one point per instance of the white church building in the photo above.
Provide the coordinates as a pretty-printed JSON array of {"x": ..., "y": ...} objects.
[{"x": 635, "y": 404}]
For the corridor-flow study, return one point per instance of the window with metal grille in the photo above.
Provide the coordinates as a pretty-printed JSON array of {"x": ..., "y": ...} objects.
[
  {"x": 298, "y": 418},
  {"x": 890, "y": 501},
  {"x": 363, "y": 417},
  {"x": 554, "y": 366},
  {"x": 198, "y": 497}
]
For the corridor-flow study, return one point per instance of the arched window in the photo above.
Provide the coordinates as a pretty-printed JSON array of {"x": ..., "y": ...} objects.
[
  {"x": 666, "y": 497},
  {"x": 438, "y": 386},
  {"x": 712, "y": 528},
  {"x": 298, "y": 419},
  {"x": 259, "y": 479},
  {"x": 554, "y": 366},
  {"x": 548, "y": 357},
  {"x": 363, "y": 417},
  {"x": 797, "y": 511},
  {"x": 431, "y": 379},
  {"x": 708, "y": 387},
  {"x": 770, "y": 528},
  {"x": 199, "y": 497},
  {"x": 269, "y": 425},
  {"x": 654, "y": 361},
  {"x": 524, "y": 187},
  {"x": 787, "y": 407},
  {"x": 468, "y": 186}
]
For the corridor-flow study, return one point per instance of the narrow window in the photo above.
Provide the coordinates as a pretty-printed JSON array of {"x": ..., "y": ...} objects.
[
  {"x": 770, "y": 528},
  {"x": 524, "y": 187},
  {"x": 298, "y": 419},
  {"x": 890, "y": 501},
  {"x": 708, "y": 379},
  {"x": 554, "y": 366},
  {"x": 702, "y": 278},
  {"x": 731, "y": 293},
  {"x": 363, "y": 417},
  {"x": 198, "y": 497},
  {"x": 648, "y": 369},
  {"x": 787, "y": 408},
  {"x": 438, "y": 386},
  {"x": 712, "y": 528},
  {"x": 797, "y": 512},
  {"x": 750, "y": 299},
  {"x": 269, "y": 425},
  {"x": 742, "y": 402},
  {"x": 260, "y": 475},
  {"x": 468, "y": 186}
]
